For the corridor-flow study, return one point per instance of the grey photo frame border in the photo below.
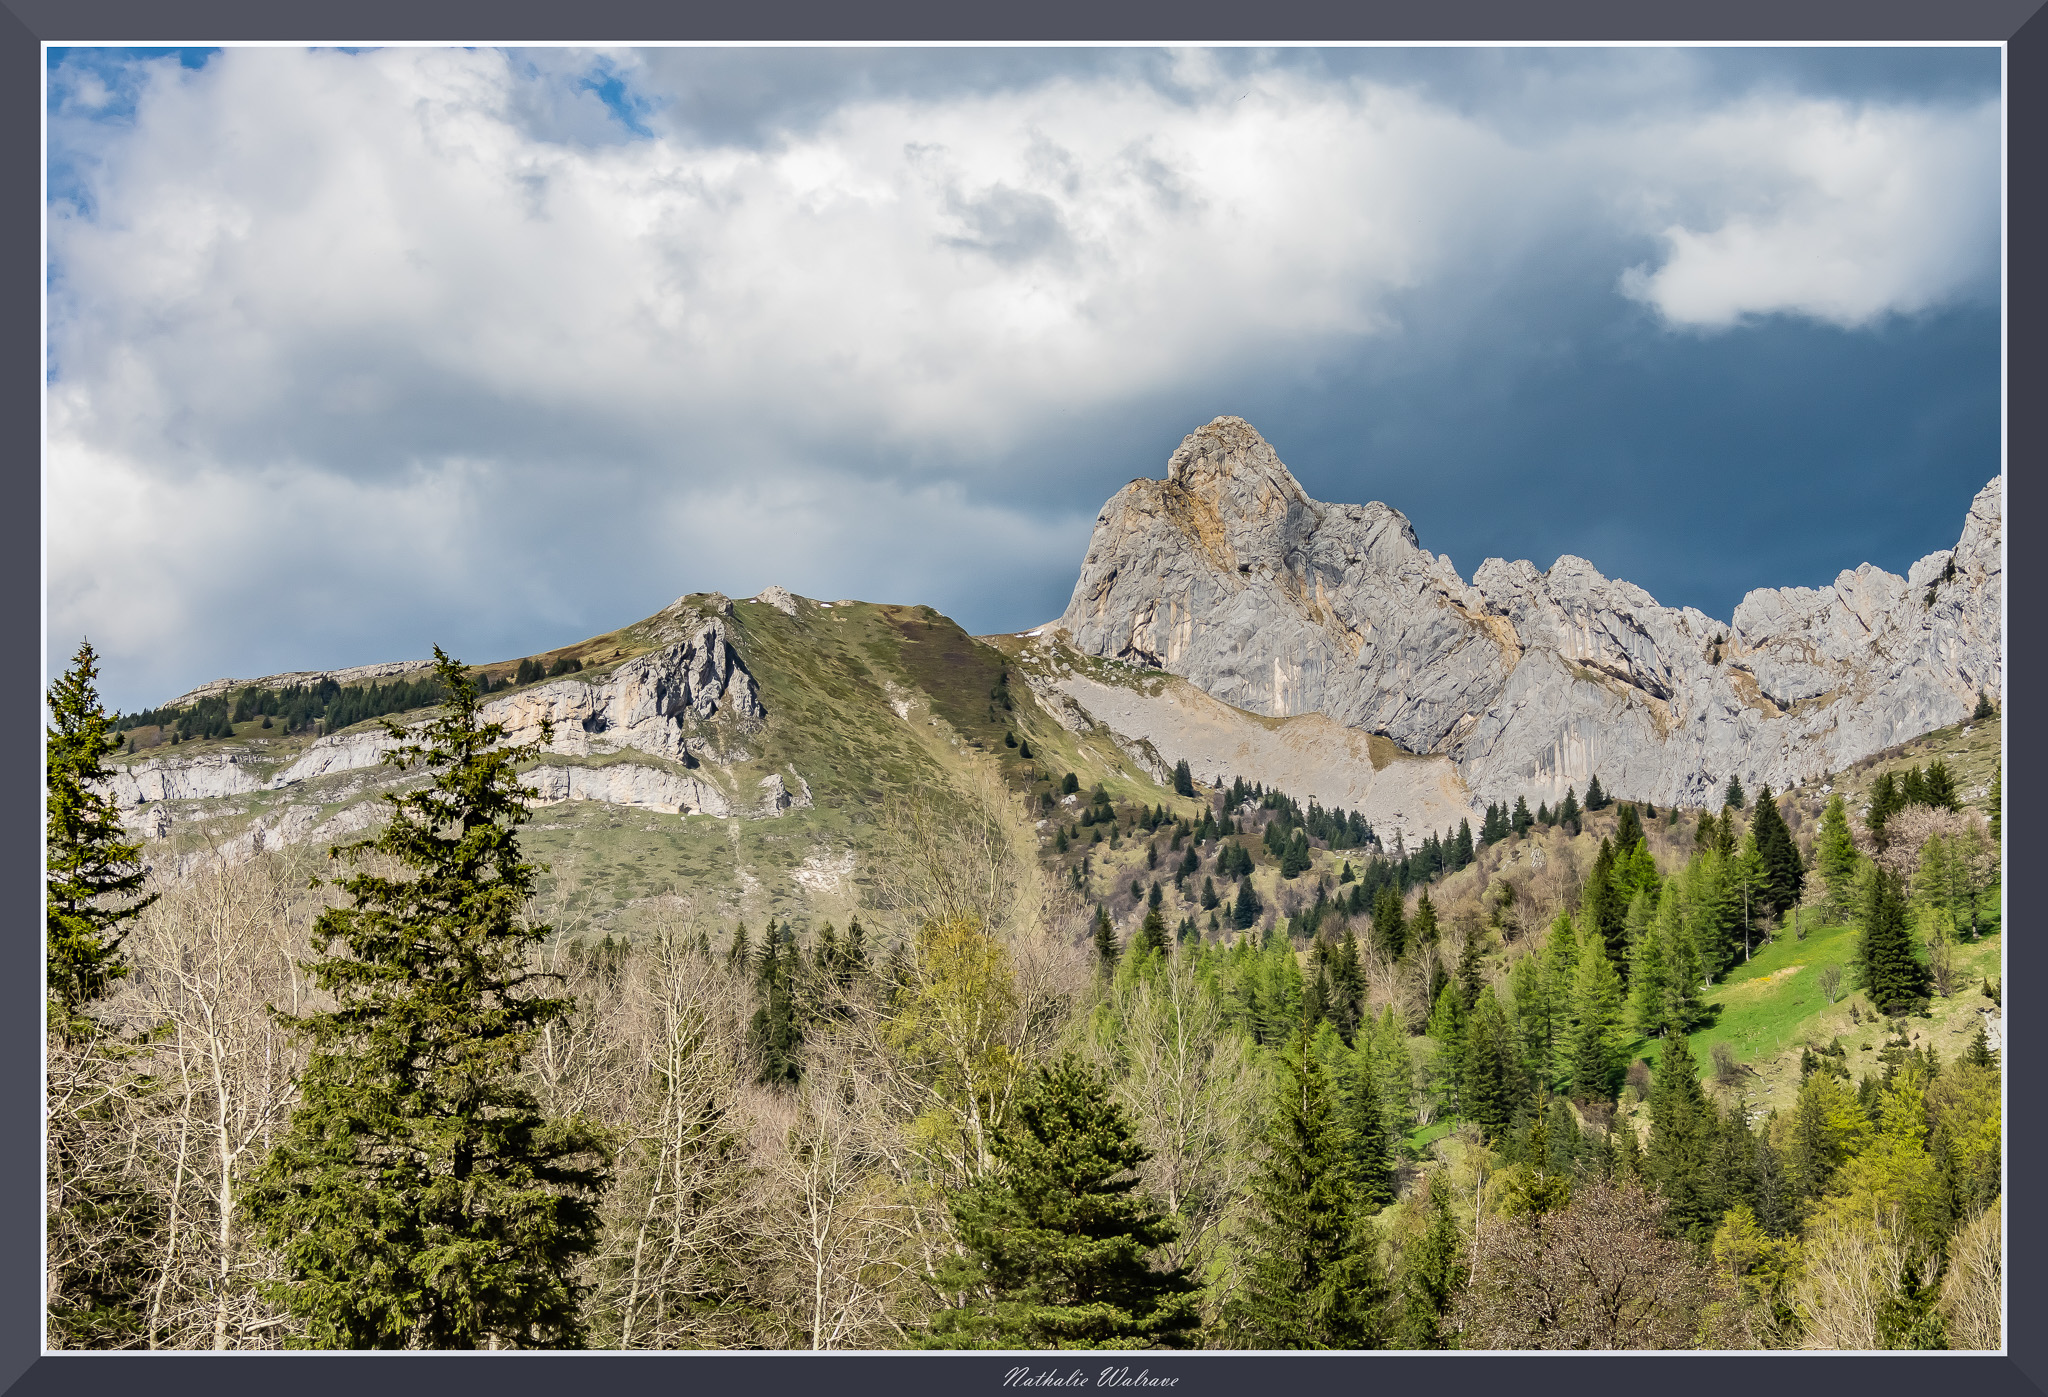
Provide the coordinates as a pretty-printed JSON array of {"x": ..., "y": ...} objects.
[{"x": 26, "y": 25}]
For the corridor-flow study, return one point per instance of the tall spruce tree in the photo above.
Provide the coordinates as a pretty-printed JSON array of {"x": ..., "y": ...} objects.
[
  {"x": 1313, "y": 1279},
  {"x": 1521, "y": 821},
  {"x": 1245, "y": 912},
  {"x": 1491, "y": 1090},
  {"x": 776, "y": 1034},
  {"x": 1059, "y": 1240},
  {"x": 1782, "y": 878},
  {"x": 1151, "y": 937},
  {"x": 1648, "y": 981},
  {"x": 1364, "y": 1119},
  {"x": 1834, "y": 858},
  {"x": 1431, "y": 1276},
  {"x": 1596, "y": 799},
  {"x": 1684, "y": 1128},
  {"x": 1886, "y": 800},
  {"x": 1628, "y": 828},
  {"x": 1568, "y": 811},
  {"x": 1106, "y": 949},
  {"x": 92, "y": 872},
  {"x": 1593, "y": 1043},
  {"x": 1422, "y": 930},
  {"x": 420, "y": 1197},
  {"x": 1889, "y": 964},
  {"x": 1733, "y": 795},
  {"x": 1603, "y": 908},
  {"x": 1389, "y": 922},
  {"x": 106, "y": 1226}
]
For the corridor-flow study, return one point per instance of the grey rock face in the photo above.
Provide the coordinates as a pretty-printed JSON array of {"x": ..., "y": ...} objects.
[
  {"x": 636, "y": 787},
  {"x": 647, "y": 703},
  {"x": 192, "y": 778},
  {"x": 1228, "y": 574},
  {"x": 778, "y": 597}
]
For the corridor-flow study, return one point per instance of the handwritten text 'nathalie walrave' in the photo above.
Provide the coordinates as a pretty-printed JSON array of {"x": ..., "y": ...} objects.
[{"x": 1108, "y": 1377}]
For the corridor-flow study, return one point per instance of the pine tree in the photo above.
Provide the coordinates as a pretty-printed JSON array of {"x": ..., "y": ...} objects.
[
  {"x": 1560, "y": 971},
  {"x": 1648, "y": 982},
  {"x": 1462, "y": 854},
  {"x": 1058, "y": 1241},
  {"x": 1151, "y": 937},
  {"x": 1592, "y": 1044},
  {"x": 1313, "y": 1278},
  {"x": 1603, "y": 911},
  {"x": 1209, "y": 898},
  {"x": 1912, "y": 786},
  {"x": 1467, "y": 977},
  {"x": 1247, "y": 909},
  {"x": 1347, "y": 980},
  {"x": 1422, "y": 931},
  {"x": 1628, "y": 831},
  {"x": 1364, "y": 1119},
  {"x": 775, "y": 1035},
  {"x": 1782, "y": 879},
  {"x": 420, "y": 1198},
  {"x": 1681, "y": 1157},
  {"x": 1983, "y": 709},
  {"x": 1596, "y": 799},
  {"x": 106, "y": 1226},
  {"x": 1105, "y": 940},
  {"x": 1543, "y": 815},
  {"x": 1732, "y": 795},
  {"x": 1389, "y": 924},
  {"x": 1834, "y": 857},
  {"x": 1889, "y": 965},
  {"x": 1521, "y": 821},
  {"x": 1431, "y": 1276},
  {"x": 93, "y": 874},
  {"x": 1446, "y": 1028},
  {"x": 1941, "y": 786},
  {"x": 1909, "y": 1317},
  {"x": 1568, "y": 811},
  {"x": 1491, "y": 1087},
  {"x": 1183, "y": 778},
  {"x": 1886, "y": 800}
]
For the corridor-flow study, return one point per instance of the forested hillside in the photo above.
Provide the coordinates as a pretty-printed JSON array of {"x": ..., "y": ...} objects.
[{"x": 1087, "y": 1064}]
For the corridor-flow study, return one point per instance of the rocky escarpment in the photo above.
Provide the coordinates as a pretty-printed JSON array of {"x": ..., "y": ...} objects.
[
  {"x": 659, "y": 703},
  {"x": 1228, "y": 574},
  {"x": 688, "y": 704}
]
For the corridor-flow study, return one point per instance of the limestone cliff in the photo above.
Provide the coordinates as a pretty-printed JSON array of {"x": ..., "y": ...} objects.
[{"x": 1228, "y": 574}]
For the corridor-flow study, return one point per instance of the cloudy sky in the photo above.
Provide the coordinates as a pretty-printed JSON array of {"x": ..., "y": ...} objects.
[{"x": 351, "y": 353}]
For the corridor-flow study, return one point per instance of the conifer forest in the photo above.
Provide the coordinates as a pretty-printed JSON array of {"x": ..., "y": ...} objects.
[{"x": 1218, "y": 1070}]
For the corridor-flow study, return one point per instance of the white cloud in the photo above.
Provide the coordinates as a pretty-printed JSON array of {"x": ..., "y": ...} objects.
[
  {"x": 415, "y": 313},
  {"x": 1830, "y": 212}
]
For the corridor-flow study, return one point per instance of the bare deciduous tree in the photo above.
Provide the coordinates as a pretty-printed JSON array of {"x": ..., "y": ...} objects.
[
  {"x": 1594, "y": 1275},
  {"x": 679, "y": 1221},
  {"x": 1970, "y": 1297},
  {"x": 1194, "y": 1091},
  {"x": 1852, "y": 1262}
]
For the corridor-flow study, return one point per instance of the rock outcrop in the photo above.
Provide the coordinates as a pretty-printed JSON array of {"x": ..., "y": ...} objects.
[
  {"x": 633, "y": 786},
  {"x": 184, "y": 778},
  {"x": 654, "y": 703},
  {"x": 1228, "y": 574}
]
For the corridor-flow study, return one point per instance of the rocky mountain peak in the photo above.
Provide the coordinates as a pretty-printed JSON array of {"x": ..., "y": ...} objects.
[
  {"x": 1228, "y": 464},
  {"x": 1228, "y": 574}
]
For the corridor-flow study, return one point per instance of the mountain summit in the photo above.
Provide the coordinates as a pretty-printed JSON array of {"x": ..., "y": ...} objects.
[{"x": 1228, "y": 574}]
